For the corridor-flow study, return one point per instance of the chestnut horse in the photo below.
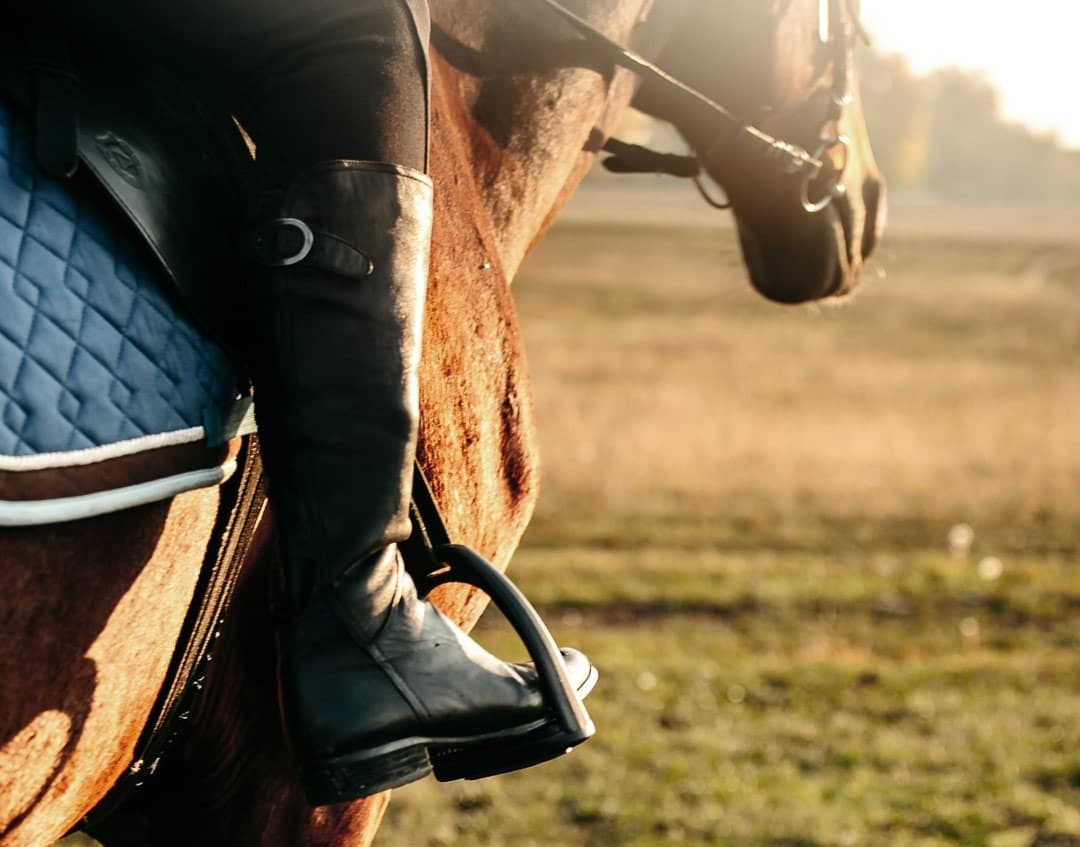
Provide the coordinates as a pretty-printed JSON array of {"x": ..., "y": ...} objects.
[{"x": 92, "y": 609}]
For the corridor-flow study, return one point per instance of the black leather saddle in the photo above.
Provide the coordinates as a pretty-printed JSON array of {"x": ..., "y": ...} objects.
[{"x": 178, "y": 169}]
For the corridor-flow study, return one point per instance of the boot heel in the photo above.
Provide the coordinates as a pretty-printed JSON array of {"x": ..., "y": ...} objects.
[{"x": 362, "y": 774}]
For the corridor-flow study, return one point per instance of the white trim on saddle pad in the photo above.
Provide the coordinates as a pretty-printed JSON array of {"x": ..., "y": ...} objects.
[
  {"x": 93, "y": 455},
  {"x": 64, "y": 509}
]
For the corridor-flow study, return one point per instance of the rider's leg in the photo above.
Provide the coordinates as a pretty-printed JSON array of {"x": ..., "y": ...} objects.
[{"x": 372, "y": 676}]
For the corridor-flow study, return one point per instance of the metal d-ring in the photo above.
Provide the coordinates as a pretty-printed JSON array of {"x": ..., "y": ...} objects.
[
  {"x": 837, "y": 189},
  {"x": 305, "y": 248},
  {"x": 723, "y": 204}
]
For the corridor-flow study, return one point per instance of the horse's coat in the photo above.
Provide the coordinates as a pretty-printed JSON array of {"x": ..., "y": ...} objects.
[{"x": 92, "y": 609}]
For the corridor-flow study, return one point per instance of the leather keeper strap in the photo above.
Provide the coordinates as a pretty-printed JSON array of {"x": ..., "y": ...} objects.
[
  {"x": 284, "y": 242},
  {"x": 635, "y": 159},
  {"x": 56, "y": 105},
  {"x": 37, "y": 72},
  {"x": 56, "y": 122}
]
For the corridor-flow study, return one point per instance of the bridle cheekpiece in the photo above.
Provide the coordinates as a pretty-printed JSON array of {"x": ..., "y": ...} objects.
[{"x": 837, "y": 33}]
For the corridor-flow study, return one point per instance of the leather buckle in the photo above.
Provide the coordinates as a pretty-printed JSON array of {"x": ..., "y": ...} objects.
[
  {"x": 267, "y": 243},
  {"x": 275, "y": 245}
]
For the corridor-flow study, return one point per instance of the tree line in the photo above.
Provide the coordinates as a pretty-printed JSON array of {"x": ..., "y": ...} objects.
[{"x": 943, "y": 134}]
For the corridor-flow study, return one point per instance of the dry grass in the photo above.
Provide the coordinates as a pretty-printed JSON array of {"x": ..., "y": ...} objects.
[{"x": 946, "y": 391}]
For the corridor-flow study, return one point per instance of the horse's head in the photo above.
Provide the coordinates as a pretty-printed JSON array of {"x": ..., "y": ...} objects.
[{"x": 786, "y": 67}]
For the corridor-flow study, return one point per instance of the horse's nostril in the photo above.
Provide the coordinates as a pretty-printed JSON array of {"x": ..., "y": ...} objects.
[{"x": 873, "y": 191}]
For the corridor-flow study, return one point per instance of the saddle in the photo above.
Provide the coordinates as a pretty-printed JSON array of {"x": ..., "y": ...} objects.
[
  {"x": 175, "y": 167},
  {"x": 118, "y": 194}
]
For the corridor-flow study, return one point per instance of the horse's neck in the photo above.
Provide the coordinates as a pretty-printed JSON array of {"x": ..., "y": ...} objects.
[
  {"x": 506, "y": 152},
  {"x": 532, "y": 132}
]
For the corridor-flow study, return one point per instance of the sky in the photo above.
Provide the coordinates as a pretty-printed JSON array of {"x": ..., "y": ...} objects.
[{"x": 1029, "y": 50}]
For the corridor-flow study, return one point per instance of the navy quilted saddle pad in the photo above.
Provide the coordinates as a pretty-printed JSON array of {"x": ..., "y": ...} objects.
[{"x": 92, "y": 349}]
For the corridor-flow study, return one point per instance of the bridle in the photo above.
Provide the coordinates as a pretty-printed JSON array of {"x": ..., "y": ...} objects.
[
  {"x": 817, "y": 173},
  {"x": 837, "y": 33},
  {"x": 837, "y": 36}
]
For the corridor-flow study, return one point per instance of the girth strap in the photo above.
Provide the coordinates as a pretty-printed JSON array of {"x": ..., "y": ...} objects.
[{"x": 217, "y": 582}]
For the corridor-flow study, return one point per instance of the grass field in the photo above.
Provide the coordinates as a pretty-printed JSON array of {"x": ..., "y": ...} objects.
[{"x": 825, "y": 558}]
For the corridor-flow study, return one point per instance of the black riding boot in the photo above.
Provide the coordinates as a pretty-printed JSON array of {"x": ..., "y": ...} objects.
[{"x": 374, "y": 679}]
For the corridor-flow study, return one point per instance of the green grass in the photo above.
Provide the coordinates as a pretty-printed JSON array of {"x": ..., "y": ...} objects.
[
  {"x": 807, "y": 701},
  {"x": 745, "y": 522}
]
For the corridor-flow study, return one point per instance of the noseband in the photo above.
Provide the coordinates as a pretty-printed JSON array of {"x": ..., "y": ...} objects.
[{"x": 817, "y": 172}]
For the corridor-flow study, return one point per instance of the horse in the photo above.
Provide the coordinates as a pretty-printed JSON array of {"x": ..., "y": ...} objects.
[{"x": 93, "y": 608}]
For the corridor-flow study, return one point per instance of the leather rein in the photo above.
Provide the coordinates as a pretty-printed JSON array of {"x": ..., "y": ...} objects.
[{"x": 817, "y": 172}]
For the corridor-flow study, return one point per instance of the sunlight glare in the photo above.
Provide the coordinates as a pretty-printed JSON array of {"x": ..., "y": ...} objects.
[{"x": 1028, "y": 52}]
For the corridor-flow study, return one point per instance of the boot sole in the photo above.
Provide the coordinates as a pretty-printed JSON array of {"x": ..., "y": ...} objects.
[
  {"x": 503, "y": 755},
  {"x": 365, "y": 772},
  {"x": 362, "y": 773},
  {"x": 511, "y": 750}
]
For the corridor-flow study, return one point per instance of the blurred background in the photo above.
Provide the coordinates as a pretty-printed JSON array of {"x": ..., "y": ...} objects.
[{"x": 825, "y": 557}]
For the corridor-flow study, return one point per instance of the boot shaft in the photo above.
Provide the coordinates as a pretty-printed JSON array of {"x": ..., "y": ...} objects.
[{"x": 342, "y": 258}]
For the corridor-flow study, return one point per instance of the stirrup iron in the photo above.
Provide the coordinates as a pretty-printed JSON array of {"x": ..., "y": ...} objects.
[{"x": 572, "y": 724}]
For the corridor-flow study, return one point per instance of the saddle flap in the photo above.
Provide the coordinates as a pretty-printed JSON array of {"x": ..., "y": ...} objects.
[
  {"x": 179, "y": 172},
  {"x": 175, "y": 166}
]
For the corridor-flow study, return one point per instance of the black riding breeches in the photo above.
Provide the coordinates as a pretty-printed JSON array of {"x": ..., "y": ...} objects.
[{"x": 310, "y": 80}]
